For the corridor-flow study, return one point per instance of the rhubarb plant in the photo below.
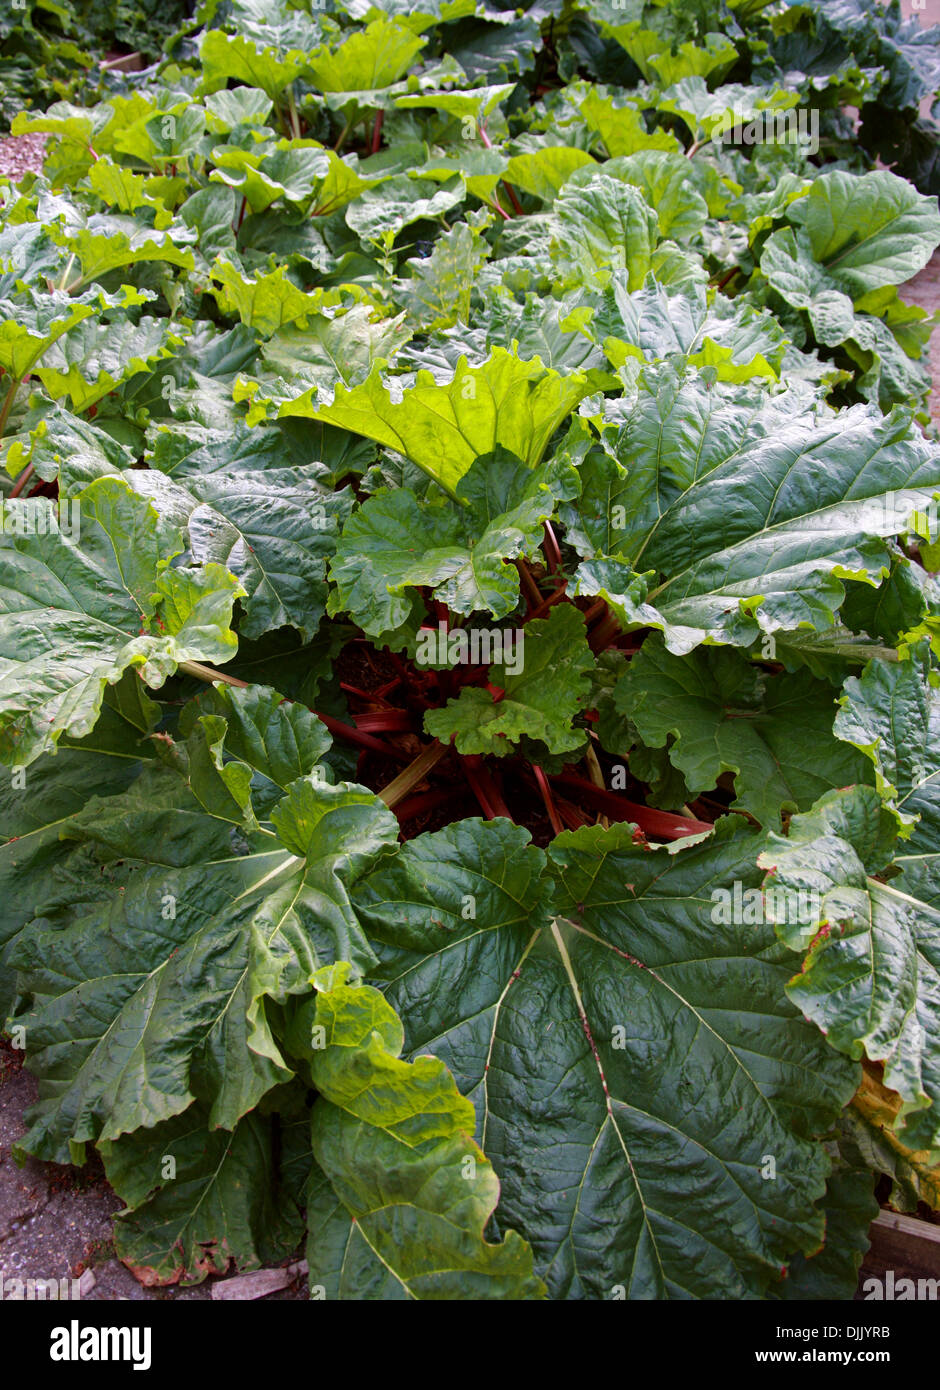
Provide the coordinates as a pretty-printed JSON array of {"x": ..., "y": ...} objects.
[{"x": 470, "y": 646}]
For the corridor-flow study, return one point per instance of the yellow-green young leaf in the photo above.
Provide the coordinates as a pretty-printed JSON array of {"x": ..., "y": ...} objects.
[
  {"x": 288, "y": 169},
  {"x": 32, "y": 321},
  {"x": 714, "y": 59},
  {"x": 663, "y": 179},
  {"x": 439, "y": 289},
  {"x": 28, "y": 330},
  {"x": 226, "y": 56},
  {"x": 544, "y": 172},
  {"x": 63, "y": 120},
  {"x": 109, "y": 241},
  {"x": 407, "y": 1192},
  {"x": 604, "y": 225},
  {"x": 126, "y": 191},
  {"x": 240, "y": 106},
  {"x": 265, "y": 302},
  {"x": 93, "y": 358},
  {"x": 478, "y": 102},
  {"x": 720, "y": 359},
  {"x": 372, "y": 57},
  {"x": 341, "y": 183},
  {"x": 504, "y": 402},
  {"x": 622, "y": 128}
]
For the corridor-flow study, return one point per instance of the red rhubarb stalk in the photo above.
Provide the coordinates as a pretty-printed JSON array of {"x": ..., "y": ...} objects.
[
  {"x": 659, "y": 825},
  {"x": 485, "y": 790},
  {"x": 546, "y": 793},
  {"x": 551, "y": 548},
  {"x": 361, "y": 740}
]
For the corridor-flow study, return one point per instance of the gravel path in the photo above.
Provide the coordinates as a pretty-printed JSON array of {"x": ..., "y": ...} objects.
[
  {"x": 924, "y": 290},
  {"x": 56, "y": 1222},
  {"x": 21, "y": 154}
]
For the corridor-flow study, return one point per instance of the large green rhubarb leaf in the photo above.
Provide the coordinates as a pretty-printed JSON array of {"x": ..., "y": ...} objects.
[
  {"x": 38, "y": 804},
  {"x": 237, "y": 56},
  {"x": 773, "y": 733},
  {"x": 867, "y": 230},
  {"x": 489, "y": 897},
  {"x": 161, "y": 995},
  {"x": 632, "y": 1059},
  {"x": 331, "y": 348},
  {"x": 407, "y": 1193},
  {"x": 93, "y": 358},
  {"x": 652, "y": 322},
  {"x": 75, "y": 614},
  {"x": 274, "y": 529},
  {"x": 504, "y": 402},
  {"x": 200, "y": 1198},
  {"x": 278, "y": 740},
  {"x": 750, "y": 514},
  {"x": 850, "y": 1207},
  {"x": 709, "y": 114},
  {"x": 385, "y": 210},
  {"x": 394, "y": 543},
  {"x": 871, "y": 980},
  {"x": 371, "y": 58}
]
